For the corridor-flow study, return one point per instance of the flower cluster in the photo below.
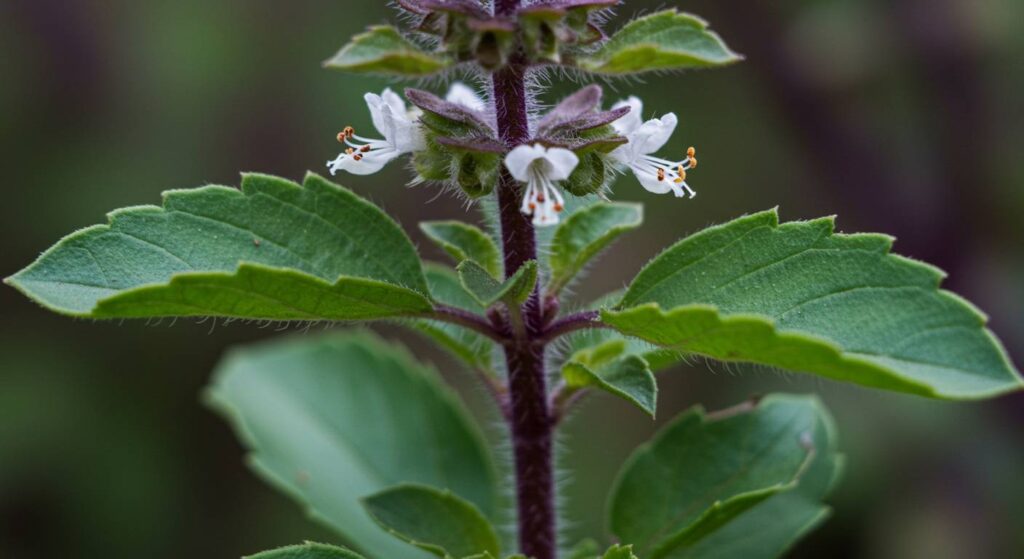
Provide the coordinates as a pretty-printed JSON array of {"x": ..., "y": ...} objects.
[{"x": 542, "y": 165}]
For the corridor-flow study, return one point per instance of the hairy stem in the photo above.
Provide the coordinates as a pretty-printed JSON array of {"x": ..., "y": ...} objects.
[{"x": 529, "y": 414}]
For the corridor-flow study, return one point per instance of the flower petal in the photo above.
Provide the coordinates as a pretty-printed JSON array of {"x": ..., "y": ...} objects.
[
  {"x": 394, "y": 101},
  {"x": 518, "y": 160},
  {"x": 651, "y": 183},
  {"x": 560, "y": 163},
  {"x": 464, "y": 95},
  {"x": 633, "y": 119},
  {"x": 653, "y": 134},
  {"x": 370, "y": 163}
]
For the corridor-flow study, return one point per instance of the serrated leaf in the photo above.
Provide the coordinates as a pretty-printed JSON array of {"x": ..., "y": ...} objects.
[
  {"x": 464, "y": 343},
  {"x": 433, "y": 520},
  {"x": 308, "y": 550},
  {"x": 666, "y": 40},
  {"x": 657, "y": 358},
  {"x": 771, "y": 528},
  {"x": 584, "y": 235},
  {"x": 800, "y": 297},
  {"x": 383, "y": 50},
  {"x": 274, "y": 250},
  {"x": 488, "y": 291},
  {"x": 463, "y": 241},
  {"x": 606, "y": 368},
  {"x": 732, "y": 464},
  {"x": 331, "y": 419}
]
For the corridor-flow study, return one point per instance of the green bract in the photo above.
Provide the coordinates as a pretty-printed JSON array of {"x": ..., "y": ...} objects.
[
  {"x": 666, "y": 40},
  {"x": 383, "y": 50},
  {"x": 801, "y": 297}
]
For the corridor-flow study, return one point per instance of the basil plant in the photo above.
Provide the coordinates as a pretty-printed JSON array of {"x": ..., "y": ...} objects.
[{"x": 371, "y": 443}]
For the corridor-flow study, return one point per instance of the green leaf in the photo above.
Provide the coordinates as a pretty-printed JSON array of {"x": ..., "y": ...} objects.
[
  {"x": 584, "y": 235},
  {"x": 620, "y": 552},
  {"x": 732, "y": 463},
  {"x": 801, "y": 297},
  {"x": 772, "y": 527},
  {"x": 584, "y": 549},
  {"x": 274, "y": 250},
  {"x": 464, "y": 343},
  {"x": 334, "y": 418},
  {"x": 383, "y": 50},
  {"x": 463, "y": 241},
  {"x": 605, "y": 367},
  {"x": 487, "y": 290},
  {"x": 433, "y": 520},
  {"x": 308, "y": 550},
  {"x": 666, "y": 40}
]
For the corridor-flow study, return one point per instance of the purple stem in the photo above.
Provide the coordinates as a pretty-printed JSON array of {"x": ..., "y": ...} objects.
[
  {"x": 571, "y": 323},
  {"x": 530, "y": 416}
]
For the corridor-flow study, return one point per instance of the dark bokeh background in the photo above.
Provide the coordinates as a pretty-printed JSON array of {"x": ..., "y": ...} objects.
[{"x": 899, "y": 116}]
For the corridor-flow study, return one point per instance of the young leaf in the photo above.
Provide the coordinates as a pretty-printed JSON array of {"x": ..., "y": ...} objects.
[
  {"x": 464, "y": 343},
  {"x": 666, "y": 40},
  {"x": 584, "y": 235},
  {"x": 800, "y": 297},
  {"x": 488, "y": 291},
  {"x": 463, "y": 241},
  {"x": 433, "y": 520},
  {"x": 274, "y": 250},
  {"x": 331, "y": 419},
  {"x": 383, "y": 50},
  {"x": 772, "y": 527},
  {"x": 620, "y": 552},
  {"x": 308, "y": 550},
  {"x": 605, "y": 367},
  {"x": 733, "y": 463}
]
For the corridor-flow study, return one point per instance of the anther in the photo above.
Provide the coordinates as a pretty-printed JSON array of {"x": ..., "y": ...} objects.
[
  {"x": 693, "y": 162},
  {"x": 350, "y": 151},
  {"x": 365, "y": 148},
  {"x": 349, "y": 131},
  {"x": 691, "y": 152},
  {"x": 357, "y": 157},
  {"x": 341, "y": 137},
  {"x": 559, "y": 208},
  {"x": 661, "y": 174}
]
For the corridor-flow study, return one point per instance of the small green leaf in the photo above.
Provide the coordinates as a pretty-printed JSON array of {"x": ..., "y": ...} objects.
[
  {"x": 584, "y": 549},
  {"x": 274, "y": 250},
  {"x": 584, "y": 235},
  {"x": 487, "y": 290},
  {"x": 464, "y": 343},
  {"x": 733, "y": 462},
  {"x": 383, "y": 50},
  {"x": 308, "y": 550},
  {"x": 605, "y": 367},
  {"x": 800, "y": 297},
  {"x": 657, "y": 358},
  {"x": 331, "y": 419},
  {"x": 433, "y": 520},
  {"x": 463, "y": 241},
  {"x": 666, "y": 40},
  {"x": 771, "y": 528},
  {"x": 620, "y": 552}
]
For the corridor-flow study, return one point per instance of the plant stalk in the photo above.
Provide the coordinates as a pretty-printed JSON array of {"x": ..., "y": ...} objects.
[{"x": 530, "y": 418}]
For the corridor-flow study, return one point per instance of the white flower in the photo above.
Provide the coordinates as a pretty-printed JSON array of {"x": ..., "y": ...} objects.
[
  {"x": 464, "y": 95},
  {"x": 654, "y": 173},
  {"x": 392, "y": 120},
  {"x": 540, "y": 167}
]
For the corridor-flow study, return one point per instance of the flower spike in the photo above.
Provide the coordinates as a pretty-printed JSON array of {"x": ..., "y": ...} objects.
[
  {"x": 655, "y": 174},
  {"x": 540, "y": 168}
]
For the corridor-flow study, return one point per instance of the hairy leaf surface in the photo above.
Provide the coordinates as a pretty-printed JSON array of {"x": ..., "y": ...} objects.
[
  {"x": 584, "y": 235},
  {"x": 488, "y": 290},
  {"x": 272, "y": 250},
  {"x": 463, "y": 241},
  {"x": 308, "y": 550},
  {"x": 800, "y": 297},
  {"x": 666, "y": 40},
  {"x": 383, "y": 50}
]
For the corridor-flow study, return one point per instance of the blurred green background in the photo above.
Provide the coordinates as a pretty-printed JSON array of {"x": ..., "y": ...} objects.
[{"x": 899, "y": 116}]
